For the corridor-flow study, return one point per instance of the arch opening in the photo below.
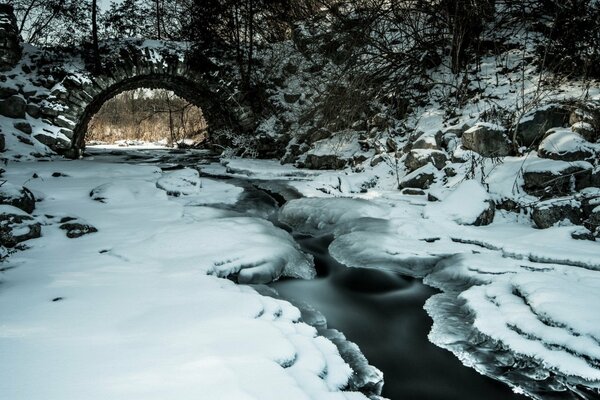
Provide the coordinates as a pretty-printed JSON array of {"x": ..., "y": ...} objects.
[
  {"x": 147, "y": 117},
  {"x": 215, "y": 109}
]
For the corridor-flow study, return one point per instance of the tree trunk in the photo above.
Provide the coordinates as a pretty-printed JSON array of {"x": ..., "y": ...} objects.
[
  {"x": 158, "y": 19},
  {"x": 95, "y": 34}
]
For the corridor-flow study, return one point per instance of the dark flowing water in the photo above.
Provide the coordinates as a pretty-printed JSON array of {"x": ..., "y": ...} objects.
[{"x": 383, "y": 313}]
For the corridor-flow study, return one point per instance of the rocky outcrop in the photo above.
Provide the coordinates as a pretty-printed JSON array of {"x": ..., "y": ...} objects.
[
  {"x": 489, "y": 140},
  {"x": 533, "y": 125}
]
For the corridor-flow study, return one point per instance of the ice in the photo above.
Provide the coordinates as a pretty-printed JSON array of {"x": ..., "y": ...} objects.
[
  {"x": 320, "y": 216},
  {"x": 541, "y": 313}
]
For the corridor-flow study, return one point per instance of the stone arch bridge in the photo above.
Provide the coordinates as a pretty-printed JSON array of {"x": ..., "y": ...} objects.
[{"x": 62, "y": 88}]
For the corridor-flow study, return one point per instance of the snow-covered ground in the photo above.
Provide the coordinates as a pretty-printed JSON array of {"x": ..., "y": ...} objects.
[{"x": 140, "y": 308}]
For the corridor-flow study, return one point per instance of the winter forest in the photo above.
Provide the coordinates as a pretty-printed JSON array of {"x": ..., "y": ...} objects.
[{"x": 299, "y": 199}]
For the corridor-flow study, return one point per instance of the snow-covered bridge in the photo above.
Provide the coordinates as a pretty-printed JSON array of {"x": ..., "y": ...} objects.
[{"x": 63, "y": 88}]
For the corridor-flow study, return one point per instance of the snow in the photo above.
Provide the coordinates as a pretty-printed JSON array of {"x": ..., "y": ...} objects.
[
  {"x": 464, "y": 205},
  {"x": 564, "y": 140},
  {"x": 139, "y": 310}
]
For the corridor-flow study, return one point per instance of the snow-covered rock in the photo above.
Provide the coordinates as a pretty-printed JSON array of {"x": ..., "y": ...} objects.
[
  {"x": 17, "y": 196},
  {"x": 534, "y": 124},
  {"x": 487, "y": 139},
  {"x": 16, "y": 226},
  {"x": 418, "y": 158},
  {"x": 564, "y": 144},
  {"x": 421, "y": 178},
  {"x": 468, "y": 204},
  {"x": 550, "y": 212},
  {"x": 182, "y": 182}
]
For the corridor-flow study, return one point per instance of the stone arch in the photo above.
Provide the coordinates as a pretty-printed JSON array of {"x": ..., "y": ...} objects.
[
  {"x": 145, "y": 64},
  {"x": 215, "y": 112}
]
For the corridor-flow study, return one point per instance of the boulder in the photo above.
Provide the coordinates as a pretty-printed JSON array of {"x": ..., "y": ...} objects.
[
  {"x": 428, "y": 140},
  {"x": 291, "y": 97},
  {"x": 550, "y": 212},
  {"x": 16, "y": 226},
  {"x": 533, "y": 125},
  {"x": 592, "y": 222},
  {"x": 77, "y": 229},
  {"x": 564, "y": 144},
  {"x": 457, "y": 130},
  {"x": 23, "y": 126},
  {"x": 468, "y": 204},
  {"x": 33, "y": 110},
  {"x": 55, "y": 143},
  {"x": 586, "y": 131},
  {"x": 554, "y": 178},
  {"x": 416, "y": 159},
  {"x": 17, "y": 196},
  {"x": 595, "y": 177},
  {"x": 413, "y": 192},
  {"x": 13, "y": 107},
  {"x": 489, "y": 140},
  {"x": 422, "y": 178},
  {"x": 6, "y": 91},
  {"x": 324, "y": 161}
]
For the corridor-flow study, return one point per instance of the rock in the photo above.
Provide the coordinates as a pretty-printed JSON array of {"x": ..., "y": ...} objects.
[
  {"x": 489, "y": 140},
  {"x": 592, "y": 222},
  {"x": 550, "y": 178},
  {"x": 33, "y": 110},
  {"x": 564, "y": 144},
  {"x": 379, "y": 121},
  {"x": 586, "y": 130},
  {"x": 583, "y": 234},
  {"x": 325, "y": 161},
  {"x": 2, "y": 142},
  {"x": 16, "y": 226},
  {"x": 13, "y": 107},
  {"x": 416, "y": 159},
  {"x": 595, "y": 177},
  {"x": 422, "y": 178},
  {"x": 63, "y": 122},
  {"x": 6, "y": 91},
  {"x": 457, "y": 130},
  {"x": 550, "y": 212},
  {"x": 77, "y": 229},
  {"x": 428, "y": 141},
  {"x": 533, "y": 125},
  {"x": 468, "y": 204},
  {"x": 17, "y": 196},
  {"x": 413, "y": 192},
  {"x": 291, "y": 97},
  {"x": 55, "y": 143},
  {"x": 23, "y": 126}
]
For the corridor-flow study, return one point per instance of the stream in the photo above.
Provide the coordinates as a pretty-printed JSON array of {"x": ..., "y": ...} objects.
[{"x": 382, "y": 312}]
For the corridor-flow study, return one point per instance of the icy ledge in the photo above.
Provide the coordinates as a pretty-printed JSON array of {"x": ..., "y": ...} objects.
[{"x": 533, "y": 326}]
